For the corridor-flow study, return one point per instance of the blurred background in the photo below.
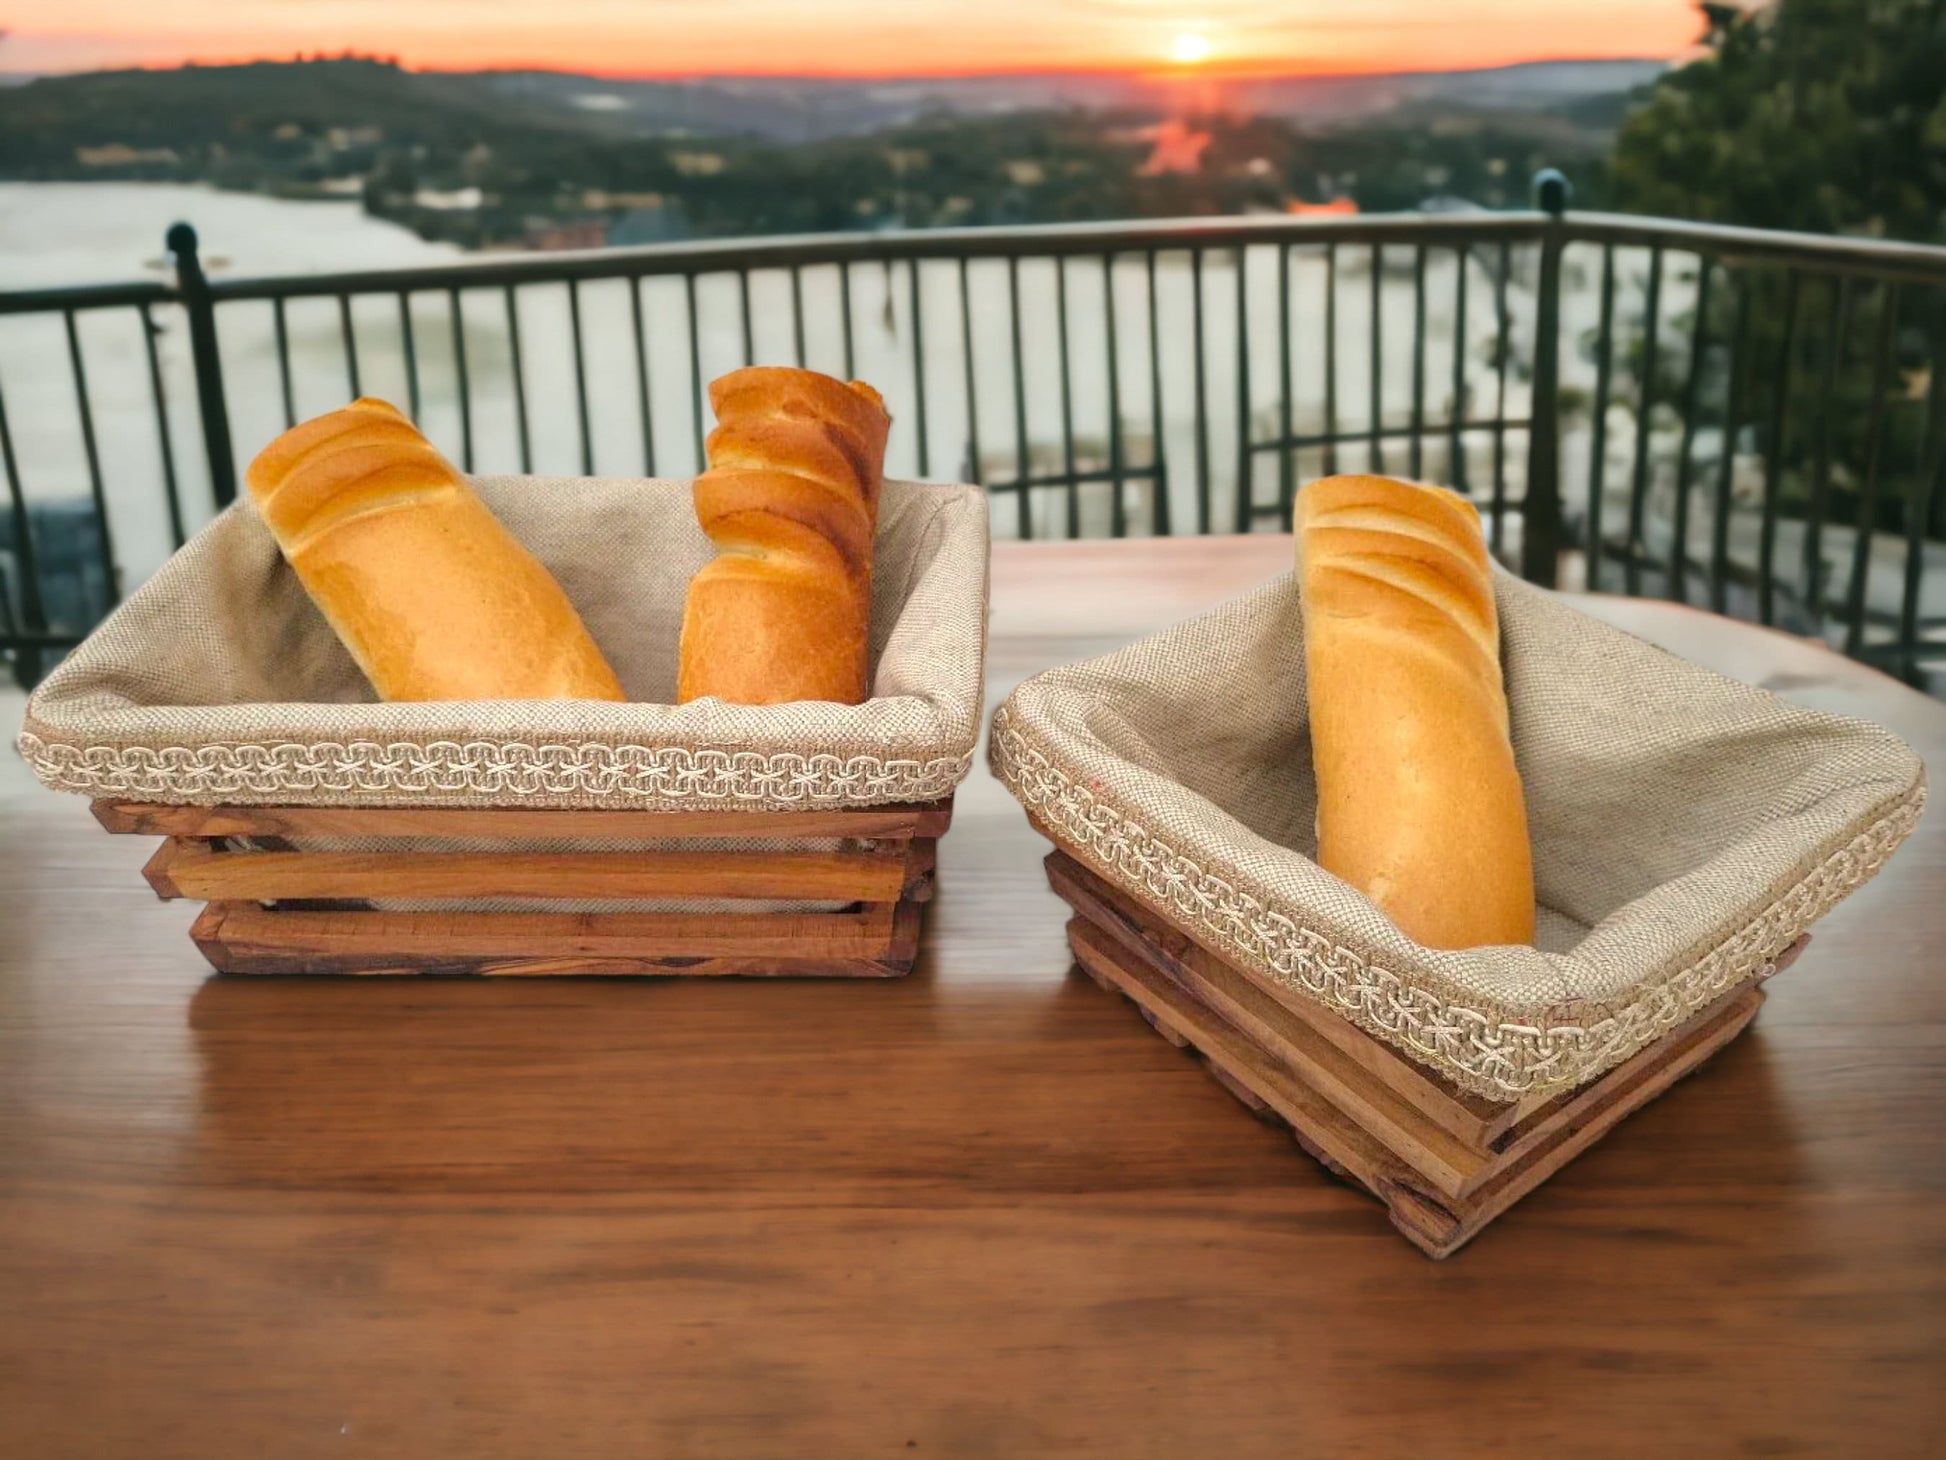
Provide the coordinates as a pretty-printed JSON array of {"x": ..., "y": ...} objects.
[{"x": 1658, "y": 283}]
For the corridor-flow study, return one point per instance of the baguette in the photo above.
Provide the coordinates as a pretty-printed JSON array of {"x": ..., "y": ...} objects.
[
  {"x": 1419, "y": 799},
  {"x": 791, "y": 501},
  {"x": 432, "y": 596}
]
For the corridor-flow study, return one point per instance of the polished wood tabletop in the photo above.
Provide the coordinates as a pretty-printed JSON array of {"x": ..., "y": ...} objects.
[{"x": 983, "y": 1211}]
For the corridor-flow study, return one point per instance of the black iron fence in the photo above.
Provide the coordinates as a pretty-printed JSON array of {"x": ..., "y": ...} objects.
[{"x": 1748, "y": 420}]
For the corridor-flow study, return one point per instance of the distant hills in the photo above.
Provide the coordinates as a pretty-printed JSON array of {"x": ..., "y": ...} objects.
[
  {"x": 806, "y": 109},
  {"x": 546, "y": 159},
  {"x": 784, "y": 109}
]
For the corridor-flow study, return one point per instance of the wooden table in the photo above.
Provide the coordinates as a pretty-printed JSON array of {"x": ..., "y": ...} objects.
[{"x": 984, "y": 1211}]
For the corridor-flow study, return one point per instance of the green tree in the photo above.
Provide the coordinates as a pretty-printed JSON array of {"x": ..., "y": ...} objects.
[{"x": 1822, "y": 115}]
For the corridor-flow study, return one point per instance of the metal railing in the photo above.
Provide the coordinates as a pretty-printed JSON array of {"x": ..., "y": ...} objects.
[{"x": 1098, "y": 380}]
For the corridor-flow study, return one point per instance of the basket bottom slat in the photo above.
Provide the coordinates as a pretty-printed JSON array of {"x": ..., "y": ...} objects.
[
  {"x": 187, "y": 867},
  {"x": 876, "y": 941}
]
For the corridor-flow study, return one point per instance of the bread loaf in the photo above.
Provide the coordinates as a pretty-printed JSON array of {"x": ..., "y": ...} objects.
[
  {"x": 791, "y": 500},
  {"x": 432, "y": 596},
  {"x": 1419, "y": 800}
]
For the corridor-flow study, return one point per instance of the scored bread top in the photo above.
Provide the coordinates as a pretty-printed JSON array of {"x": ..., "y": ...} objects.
[
  {"x": 794, "y": 468},
  {"x": 343, "y": 465},
  {"x": 783, "y": 613},
  {"x": 430, "y": 594},
  {"x": 1409, "y": 562}
]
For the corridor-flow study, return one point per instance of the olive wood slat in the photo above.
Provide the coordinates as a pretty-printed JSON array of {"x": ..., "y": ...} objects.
[
  {"x": 244, "y": 938},
  {"x": 1436, "y": 1223},
  {"x": 186, "y": 868},
  {"x": 886, "y": 823}
]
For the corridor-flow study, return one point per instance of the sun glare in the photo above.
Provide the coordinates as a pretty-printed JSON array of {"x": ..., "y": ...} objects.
[{"x": 1189, "y": 48}]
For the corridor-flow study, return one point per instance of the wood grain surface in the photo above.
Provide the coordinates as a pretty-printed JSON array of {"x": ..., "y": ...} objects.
[{"x": 981, "y": 1211}]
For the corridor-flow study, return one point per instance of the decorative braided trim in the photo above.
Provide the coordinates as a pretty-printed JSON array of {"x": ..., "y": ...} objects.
[
  {"x": 482, "y": 770},
  {"x": 1489, "y": 1055}
]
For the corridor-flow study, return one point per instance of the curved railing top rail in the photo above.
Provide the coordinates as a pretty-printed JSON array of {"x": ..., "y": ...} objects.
[
  {"x": 1875, "y": 258},
  {"x": 803, "y": 250},
  {"x": 87, "y": 296}
]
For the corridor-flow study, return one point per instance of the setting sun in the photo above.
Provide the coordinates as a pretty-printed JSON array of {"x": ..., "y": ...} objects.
[{"x": 1189, "y": 48}]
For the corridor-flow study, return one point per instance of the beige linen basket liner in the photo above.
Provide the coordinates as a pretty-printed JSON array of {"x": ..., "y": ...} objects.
[
  {"x": 1687, "y": 829},
  {"x": 219, "y": 682}
]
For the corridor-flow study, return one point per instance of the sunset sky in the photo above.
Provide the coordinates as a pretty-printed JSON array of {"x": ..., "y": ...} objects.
[{"x": 849, "y": 37}]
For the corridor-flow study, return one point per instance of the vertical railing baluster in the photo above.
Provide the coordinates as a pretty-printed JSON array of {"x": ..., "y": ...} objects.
[
  {"x": 206, "y": 357},
  {"x": 1117, "y": 507},
  {"x": 1375, "y": 448},
  {"x": 1330, "y": 359},
  {"x": 976, "y": 468},
  {"x": 1928, "y": 473},
  {"x": 1024, "y": 468},
  {"x": 520, "y": 380},
  {"x": 1541, "y": 509},
  {"x": 1540, "y": 504},
  {"x": 465, "y": 390},
  {"x": 580, "y": 379},
  {"x": 1202, "y": 395},
  {"x": 1503, "y": 347},
  {"x": 1416, "y": 457},
  {"x": 844, "y": 310},
  {"x": 411, "y": 355},
  {"x": 1158, "y": 459},
  {"x": 33, "y": 609},
  {"x": 918, "y": 364},
  {"x": 1775, "y": 437},
  {"x": 104, "y": 538},
  {"x": 642, "y": 372},
  {"x": 797, "y": 314},
  {"x": 284, "y": 361},
  {"x": 165, "y": 440},
  {"x": 1598, "y": 427},
  {"x": 1286, "y": 385},
  {"x": 1865, "y": 523},
  {"x": 410, "y": 347},
  {"x": 743, "y": 315},
  {"x": 351, "y": 345},
  {"x": 1726, "y": 465},
  {"x": 1457, "y": 412},
  {"x": 1698, "y": 341},
  {"x": 1067, "y": 395},
  {"x": 1246, "y": 458},
  {"x": 696, "y": 372},
  {"x": 1638, "y": 496},
  {"x": 1837, "y": 326}
]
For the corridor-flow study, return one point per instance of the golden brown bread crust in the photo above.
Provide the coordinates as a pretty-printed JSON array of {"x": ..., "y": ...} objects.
[
  {"x": 432, "y": 596},
  {"x": 1419, "y": 799},
  {"x": 791, "y": 501}
]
